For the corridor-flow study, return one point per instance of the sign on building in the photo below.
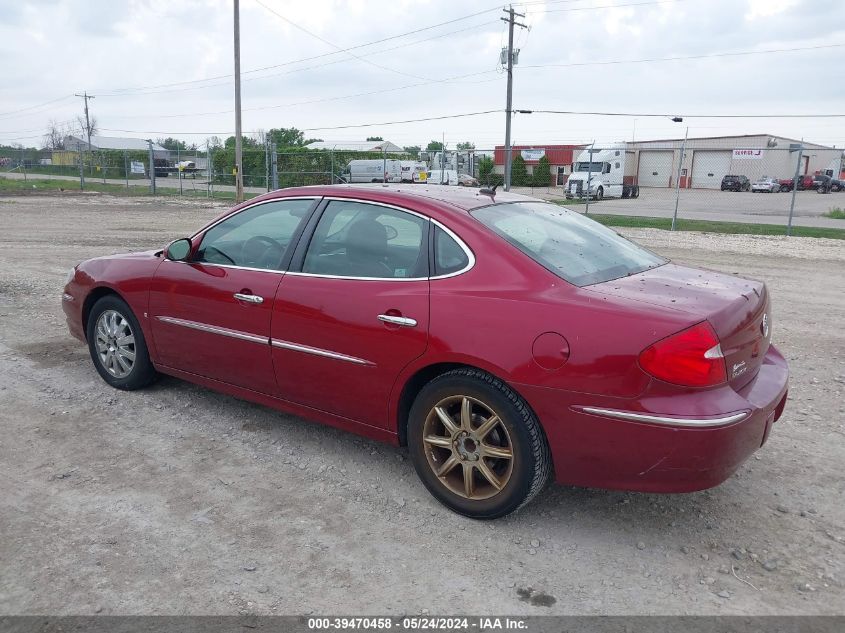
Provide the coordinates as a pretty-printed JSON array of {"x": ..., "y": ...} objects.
[
  {"x": 533, "y": 154},
  {"x": 137, "y": 167},
  {"x": 740, "y": 154}
]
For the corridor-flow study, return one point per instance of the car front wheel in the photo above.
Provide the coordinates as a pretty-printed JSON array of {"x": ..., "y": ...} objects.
[
  {"x": 476, "y": 445},
  {"x": 117, "y": 345}
]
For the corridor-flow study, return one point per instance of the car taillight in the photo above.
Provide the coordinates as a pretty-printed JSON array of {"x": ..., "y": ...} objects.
[{"x": 691, "y": 358}]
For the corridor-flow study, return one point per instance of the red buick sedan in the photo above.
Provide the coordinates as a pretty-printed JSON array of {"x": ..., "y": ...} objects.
[{"x": 501, "y": 338}]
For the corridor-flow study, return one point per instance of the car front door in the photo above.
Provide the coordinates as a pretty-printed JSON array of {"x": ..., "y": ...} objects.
[
  {"x": 210, "y": 315},
  {"x": 355, "y": 313}
]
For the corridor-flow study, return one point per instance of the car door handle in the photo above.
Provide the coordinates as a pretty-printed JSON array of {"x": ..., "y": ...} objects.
[
  {"x": 397, "y": 320},
  {"x": 248, "y": 298}
]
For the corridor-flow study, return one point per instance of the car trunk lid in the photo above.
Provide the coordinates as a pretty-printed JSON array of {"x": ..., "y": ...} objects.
[{"x": 736, "y": 308}]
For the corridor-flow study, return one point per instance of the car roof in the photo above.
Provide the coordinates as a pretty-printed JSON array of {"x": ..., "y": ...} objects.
[{"x": 466, "y": 198}]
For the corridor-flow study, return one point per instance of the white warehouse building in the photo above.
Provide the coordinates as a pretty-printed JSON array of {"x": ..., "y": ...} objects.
[{"x": 707, "y": 160}]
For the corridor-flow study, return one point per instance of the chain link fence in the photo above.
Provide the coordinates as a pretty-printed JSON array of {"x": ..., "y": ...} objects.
[{"x": 693, "y": 179}]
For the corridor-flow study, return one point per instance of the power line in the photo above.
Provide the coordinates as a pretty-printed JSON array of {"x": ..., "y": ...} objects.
[
  {"x": 313, "y": 101},
  {"x": 333, "y": 45},
  {"x": 685, "y": 115},
  {"x": 298, "y": 70},
  {"x": 314, "y": 129},
  {"x": 686, "y": 57},
  {"x": 5, "y": 115},
  {"x": 323, "y": 55}
]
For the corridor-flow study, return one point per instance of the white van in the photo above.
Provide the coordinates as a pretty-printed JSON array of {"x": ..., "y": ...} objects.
[
  {"x": 413, "y": 171},
  {"x": 442, "y": 177},
  {"x": 375, "y": 170}
]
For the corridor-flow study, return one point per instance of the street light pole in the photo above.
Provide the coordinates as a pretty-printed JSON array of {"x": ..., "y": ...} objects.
[{"x": 239, "y": 179}]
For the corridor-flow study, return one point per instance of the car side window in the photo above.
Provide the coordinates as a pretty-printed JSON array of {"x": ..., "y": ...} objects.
[
  {"x": 356, "y": 239},
  {"x": 449, "y": 257},
  {"x": 257, "y": 237}
]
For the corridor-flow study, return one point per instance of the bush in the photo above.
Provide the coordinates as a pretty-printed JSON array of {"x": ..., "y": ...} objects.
[
  {"x": 542, "y": 173},
  {"x": 519, "y": 174}
]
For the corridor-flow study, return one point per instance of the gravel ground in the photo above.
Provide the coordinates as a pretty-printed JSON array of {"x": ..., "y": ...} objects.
[{"x": 178, "y": 500}]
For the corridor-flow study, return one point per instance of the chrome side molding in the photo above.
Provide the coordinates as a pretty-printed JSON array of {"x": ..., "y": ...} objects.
[
  {"x": 316, "y": 351},
  {"x": 630, "y": 416},
  {"x": 214, "y": 329}
]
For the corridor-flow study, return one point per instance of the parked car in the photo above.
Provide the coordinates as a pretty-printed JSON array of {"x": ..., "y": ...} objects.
[
  {"x": 465, "y": 180},
  {"x": 766, "y": 184},
  {"x": 804, "y": 182},
  {"x": 735, "y": 183},
  {"x": 502, "y": 338},
  {"x": 825, "y": 184}
]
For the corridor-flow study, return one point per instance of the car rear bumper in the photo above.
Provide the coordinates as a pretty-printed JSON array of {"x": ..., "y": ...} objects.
[{"x": 680, "y": 443}]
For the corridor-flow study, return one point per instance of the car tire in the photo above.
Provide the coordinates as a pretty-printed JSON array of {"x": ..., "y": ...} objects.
[
  {"x": 635, "y": 192},
  {"x": 117, "y": 346},
  {"x": 476, "y": 402}
]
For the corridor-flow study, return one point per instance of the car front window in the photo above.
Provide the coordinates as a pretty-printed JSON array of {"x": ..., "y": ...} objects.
[
  {"x": 257, "y": 237},
  {"x": 575, "y": 248}
]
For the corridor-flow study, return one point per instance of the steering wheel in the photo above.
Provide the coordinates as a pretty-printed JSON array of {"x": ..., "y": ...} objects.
[
  {"x": 217, "y": 251},
  {"x": 267, "y": 243}
]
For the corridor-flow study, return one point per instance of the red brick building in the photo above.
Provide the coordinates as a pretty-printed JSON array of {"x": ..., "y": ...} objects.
[{"x": 560, "y": 159}]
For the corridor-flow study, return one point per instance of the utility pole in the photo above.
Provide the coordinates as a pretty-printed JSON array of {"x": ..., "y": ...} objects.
[
  {"x": 85, "y": 96},
  {"x": 239, "y": 177},
  {"x": 511, "y": 20}
]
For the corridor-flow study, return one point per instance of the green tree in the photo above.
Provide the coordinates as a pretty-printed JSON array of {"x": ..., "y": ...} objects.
[
  {"x": 246, "y": 141},
  {"x": 542, "y": 172},
  {"x": 485, "y": 168},
  {"x": 434, "y": 146},
  {"x": 374, "y": 138},
  {"x": 519, "y": 174},
  {"x": 289, "y": 137},
  {"x": 466, "y": 145},
  {"x": 172, "y": 143},
  {"x": 414, "y": 150}
]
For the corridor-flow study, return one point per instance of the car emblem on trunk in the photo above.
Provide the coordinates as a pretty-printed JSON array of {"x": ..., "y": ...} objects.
[{"x": 764, "y": 326}]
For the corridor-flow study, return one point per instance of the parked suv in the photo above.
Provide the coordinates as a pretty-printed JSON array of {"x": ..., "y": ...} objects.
[
  {"x": 825, "y": 184},
  {"x": 736, "y": 183}
]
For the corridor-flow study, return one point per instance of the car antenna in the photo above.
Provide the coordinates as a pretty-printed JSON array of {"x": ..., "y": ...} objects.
[{"x": 488, "y": 191}]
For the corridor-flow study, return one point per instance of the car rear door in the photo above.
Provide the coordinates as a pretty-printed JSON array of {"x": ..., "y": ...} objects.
[
  {"x": 210, "y": 315},
  {"x": 356, "y": 312}
]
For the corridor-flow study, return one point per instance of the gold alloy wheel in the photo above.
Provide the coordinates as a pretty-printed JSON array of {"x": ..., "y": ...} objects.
[{"x": 468, "y": 447}]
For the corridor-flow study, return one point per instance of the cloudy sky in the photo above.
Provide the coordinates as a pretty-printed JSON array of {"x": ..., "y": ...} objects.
[{"x": 164, "y": 68}]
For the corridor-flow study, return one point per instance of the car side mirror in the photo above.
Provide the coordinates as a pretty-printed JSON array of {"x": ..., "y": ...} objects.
[{"x": 179, "y": 250}]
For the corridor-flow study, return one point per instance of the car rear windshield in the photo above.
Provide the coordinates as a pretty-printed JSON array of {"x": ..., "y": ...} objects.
[{"x": 573, "y": 247}]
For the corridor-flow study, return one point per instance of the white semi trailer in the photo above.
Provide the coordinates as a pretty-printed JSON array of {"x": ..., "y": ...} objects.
[{"x": 609, "y": 172}]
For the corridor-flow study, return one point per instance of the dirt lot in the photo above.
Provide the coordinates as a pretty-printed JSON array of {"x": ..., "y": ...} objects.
[{"x": 178, "y": 500}]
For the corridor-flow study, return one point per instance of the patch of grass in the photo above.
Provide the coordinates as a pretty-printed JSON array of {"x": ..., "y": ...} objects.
[
  {"x": 54, "y": 186},
  {"x": 836, "y": 213},
  {"x": 708, "y": 226}
]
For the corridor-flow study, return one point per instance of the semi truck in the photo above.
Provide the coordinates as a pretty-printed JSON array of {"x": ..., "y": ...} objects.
[{"x": 610, "y": 172}]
